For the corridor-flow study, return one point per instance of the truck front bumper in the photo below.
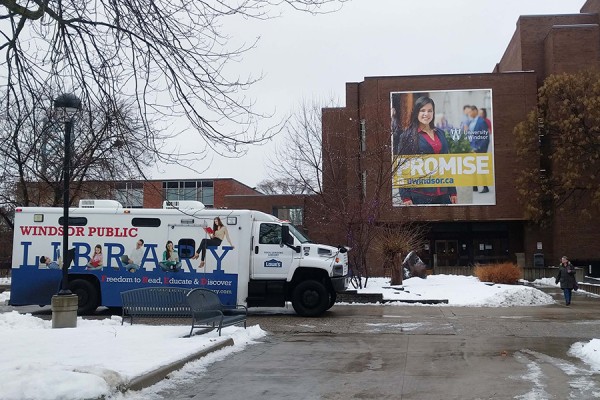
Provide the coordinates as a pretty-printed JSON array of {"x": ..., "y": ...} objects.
[{"x": 340, "y": 283}]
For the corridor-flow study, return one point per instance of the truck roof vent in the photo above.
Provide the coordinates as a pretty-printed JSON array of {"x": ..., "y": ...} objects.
[
  {"x": 94, "y": 203},
  {"x": 183, "y": 205}
]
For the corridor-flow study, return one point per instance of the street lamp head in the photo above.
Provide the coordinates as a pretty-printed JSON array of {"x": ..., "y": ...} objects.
[{"x": 66, "y": 106}]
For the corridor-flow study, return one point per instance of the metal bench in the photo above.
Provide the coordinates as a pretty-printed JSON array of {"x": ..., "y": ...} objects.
[
  {"x": 208, "y": 312},
  {"x": 155, "y": 302}
]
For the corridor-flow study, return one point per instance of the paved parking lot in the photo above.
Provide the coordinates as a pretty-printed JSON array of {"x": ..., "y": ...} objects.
[{"x": 412, "y": 352}]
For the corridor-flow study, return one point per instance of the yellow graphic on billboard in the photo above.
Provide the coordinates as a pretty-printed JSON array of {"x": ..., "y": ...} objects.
[{"x": 433, "y": 170}]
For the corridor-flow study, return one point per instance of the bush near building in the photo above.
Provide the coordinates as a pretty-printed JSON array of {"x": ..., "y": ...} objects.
[{"x": 507, "y": 273}]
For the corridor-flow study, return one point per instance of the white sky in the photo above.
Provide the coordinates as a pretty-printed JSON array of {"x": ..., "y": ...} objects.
[
  {"x": 306, "y": 57},
  {"x": 92, "y": 359}
]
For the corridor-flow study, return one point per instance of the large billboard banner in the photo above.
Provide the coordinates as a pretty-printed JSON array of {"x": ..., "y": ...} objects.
[{"x": 442, "y": 148}]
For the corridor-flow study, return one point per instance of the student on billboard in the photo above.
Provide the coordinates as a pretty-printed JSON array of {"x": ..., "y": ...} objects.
[
  {"x": 479, "y": 136},
  {"x": 422, "y": 137}
]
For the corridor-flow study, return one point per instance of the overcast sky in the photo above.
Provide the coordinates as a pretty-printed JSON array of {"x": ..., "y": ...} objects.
[{"x": 307, "y": 57}]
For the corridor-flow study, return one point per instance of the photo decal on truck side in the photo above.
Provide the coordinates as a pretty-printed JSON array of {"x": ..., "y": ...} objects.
[{"x": 124, "y": 269}]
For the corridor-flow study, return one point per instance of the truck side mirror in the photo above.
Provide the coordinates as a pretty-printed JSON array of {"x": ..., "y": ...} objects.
[{"x": 287, "y": 239}]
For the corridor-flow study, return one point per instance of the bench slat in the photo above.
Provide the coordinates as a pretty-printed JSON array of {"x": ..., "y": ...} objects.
[
  {"x": 202, "y": 305},
  {"x": 207, "y": 310},
  {"x": 155, "y": 301}
]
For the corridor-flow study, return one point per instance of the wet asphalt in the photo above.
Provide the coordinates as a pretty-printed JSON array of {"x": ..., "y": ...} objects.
[{"x": 410, "y": 352}]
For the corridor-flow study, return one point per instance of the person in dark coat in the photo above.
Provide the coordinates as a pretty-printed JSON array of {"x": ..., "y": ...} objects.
[{"x": 566, "y": 277}]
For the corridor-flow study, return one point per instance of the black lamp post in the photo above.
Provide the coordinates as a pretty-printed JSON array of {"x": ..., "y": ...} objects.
[{"x": 65, "y": 108}]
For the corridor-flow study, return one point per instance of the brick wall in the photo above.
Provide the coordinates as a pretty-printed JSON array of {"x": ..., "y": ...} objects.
[
  {"x": 568, "y": 48},
  {"x": 527, "y": 49},
  {"x": 153, "y": 194},
  {"x": 514, "y": 95}
]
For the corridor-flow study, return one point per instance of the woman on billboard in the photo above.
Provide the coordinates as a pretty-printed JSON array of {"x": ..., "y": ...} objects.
[{"x": 422, "y": 137}]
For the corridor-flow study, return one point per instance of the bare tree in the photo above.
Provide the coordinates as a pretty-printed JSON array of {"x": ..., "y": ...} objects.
[
  {"x": 137, "y": 66},
  {"x": 353, "y": 204},
  {"x": 168, "y": 58},
  {"x": 105, "y": 147},
  {"x": 395, "y": 242},
  {"x": 283, "y": 186},
  {"x": 298, "y": 160}
]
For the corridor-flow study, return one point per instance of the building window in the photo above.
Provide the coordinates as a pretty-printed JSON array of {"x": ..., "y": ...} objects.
[
  {"x": 363, "y": 135},
  {"x": 190, "y": 190},
  {"x": 130, "y": 194},
  {"x": 293, "y": 214}
]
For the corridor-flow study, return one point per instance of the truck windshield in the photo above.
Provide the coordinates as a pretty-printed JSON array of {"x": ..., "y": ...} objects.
[{"x": 299, "y": 235}]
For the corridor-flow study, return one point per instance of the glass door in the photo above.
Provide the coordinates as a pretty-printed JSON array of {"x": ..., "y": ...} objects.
[{"x": 446, "y": 252}]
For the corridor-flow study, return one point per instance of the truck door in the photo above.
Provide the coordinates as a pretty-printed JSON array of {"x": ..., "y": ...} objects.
[{"x": 271, "y": 259}]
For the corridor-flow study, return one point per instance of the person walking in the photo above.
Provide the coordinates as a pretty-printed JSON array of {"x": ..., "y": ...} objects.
[{"x": 566, "y": 277}]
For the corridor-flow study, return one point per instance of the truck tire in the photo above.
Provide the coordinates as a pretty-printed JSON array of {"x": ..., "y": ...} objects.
[
  {"x": 332, "y": 298},
  {"x": 87, "y": 294},
  {"x": 310, "y": 299}
]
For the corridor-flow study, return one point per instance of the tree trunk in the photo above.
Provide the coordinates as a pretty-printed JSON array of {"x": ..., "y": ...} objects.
[{"x": 397, "y": 270}]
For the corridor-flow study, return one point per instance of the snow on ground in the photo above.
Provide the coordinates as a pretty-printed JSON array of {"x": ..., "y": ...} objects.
[
  {"x": 98, "y": 357},
  {"x": 95, "y": 358},
  {"x": 459, "y": 291}
]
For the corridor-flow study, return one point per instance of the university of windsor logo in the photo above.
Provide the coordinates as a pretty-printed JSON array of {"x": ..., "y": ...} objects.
[{"x": 456, "y": 134}]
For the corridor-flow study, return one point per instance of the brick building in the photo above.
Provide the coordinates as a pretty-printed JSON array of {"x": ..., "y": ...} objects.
[
  {"x": 152, "y": 193},
  {"x": 145, "y": 193},
  {"x": 481, "y": 227}
]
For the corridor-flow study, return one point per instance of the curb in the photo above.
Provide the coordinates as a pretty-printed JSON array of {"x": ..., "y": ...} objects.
[
  {"x": 351, "y": 296},
  {"x": 429, "y": 301},
  {"x": 161, "y": 373}
]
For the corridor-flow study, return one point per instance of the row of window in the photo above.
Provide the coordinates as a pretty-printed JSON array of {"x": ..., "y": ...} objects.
[
  {"x": 82, "y": 221},
  {"x": 190, "y": 190},
  {"x": 131, "y": 194}
]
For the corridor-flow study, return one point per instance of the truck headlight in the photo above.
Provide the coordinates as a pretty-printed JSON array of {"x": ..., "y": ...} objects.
[{"x": 338, "y": 270}]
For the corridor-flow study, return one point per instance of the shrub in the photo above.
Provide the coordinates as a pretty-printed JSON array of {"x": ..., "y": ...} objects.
[{"x": 507, "y": 273}]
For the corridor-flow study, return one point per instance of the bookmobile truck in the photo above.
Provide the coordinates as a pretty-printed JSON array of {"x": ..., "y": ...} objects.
[{"x": 267, "y": 263}]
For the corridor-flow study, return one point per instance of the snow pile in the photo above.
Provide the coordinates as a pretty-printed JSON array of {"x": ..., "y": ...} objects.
[
  {"x": 96, "y": 358},
  {"x": 589, "y": 352},
  {"x": 459, "y": 291}
]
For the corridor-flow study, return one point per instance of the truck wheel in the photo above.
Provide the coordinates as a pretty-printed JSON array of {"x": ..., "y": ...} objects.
[
  {"x": 310, "y": 299},
  {"x": 87, "y": 294},
  {"x": 332, "y": 298}
]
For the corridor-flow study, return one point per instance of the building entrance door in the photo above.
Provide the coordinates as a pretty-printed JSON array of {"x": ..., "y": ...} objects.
[{"x": 446, "y": 252}]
